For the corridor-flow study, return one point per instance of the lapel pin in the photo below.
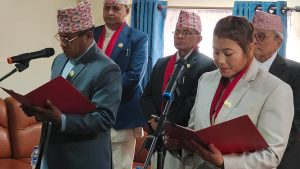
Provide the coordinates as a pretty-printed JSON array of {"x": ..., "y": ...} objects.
[
  {"x": 227, "y": 104},
  {"x": 188, "y": 65},
  {"x": 72, "y": 73},
  {"x": 120, "y": 45}
]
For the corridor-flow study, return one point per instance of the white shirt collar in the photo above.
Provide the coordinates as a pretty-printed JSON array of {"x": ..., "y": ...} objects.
[
  {"x": 267, "y": 64},
  {"x": 186, "y": 56},
  {"x": 108, "y": 32}
]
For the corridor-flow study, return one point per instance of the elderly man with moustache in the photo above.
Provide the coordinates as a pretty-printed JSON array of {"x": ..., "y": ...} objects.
[
  {"x": 187, "y": 36},
  {"x": 128, "y": 48},
  {"x": 268, "y": 40}
]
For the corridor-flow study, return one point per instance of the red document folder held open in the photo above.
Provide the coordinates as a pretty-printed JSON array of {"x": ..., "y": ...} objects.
[
  {"x": 61, "y": 93},
  {"x": 234, "y": 136}
]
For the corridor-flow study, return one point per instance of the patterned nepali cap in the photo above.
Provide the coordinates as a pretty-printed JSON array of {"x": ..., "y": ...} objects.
[
  {"x": 76, "y": 18},
  {"x": 123, "y": 2},
  {"x": 267, "y": 21},
  {"x": 189, "y": 20}
]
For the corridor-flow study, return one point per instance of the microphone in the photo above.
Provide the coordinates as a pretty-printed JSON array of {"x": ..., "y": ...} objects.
[
  {"x": 25, "y": 57},
  {"x": 297, "y": 8},
  {"x": 179, "y": 67}
]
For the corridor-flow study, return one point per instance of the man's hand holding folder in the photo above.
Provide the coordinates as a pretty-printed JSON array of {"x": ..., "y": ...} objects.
[{"x": 52, "y": 98}]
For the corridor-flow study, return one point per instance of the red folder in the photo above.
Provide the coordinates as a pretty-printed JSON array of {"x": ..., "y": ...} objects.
[
  {"x": 234, "y": 136},
  {"x": 60, "y": 92}
]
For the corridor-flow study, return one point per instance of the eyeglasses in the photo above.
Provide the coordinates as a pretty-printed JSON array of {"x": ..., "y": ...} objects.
[
  {"x": 184, "y": 33},
  {"x": 66, "y": 40},
  {"x": 260, "y": 37}
]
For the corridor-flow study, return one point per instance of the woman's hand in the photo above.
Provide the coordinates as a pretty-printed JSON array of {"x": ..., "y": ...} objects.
[{"x": 212, "y": 154}]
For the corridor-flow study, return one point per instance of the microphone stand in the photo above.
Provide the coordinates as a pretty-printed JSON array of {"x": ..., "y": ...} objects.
[
  {"x": 19, "y": 67},
  {"x": 157, "y": 134},
  {"x": 46, "y": 129},
  {"x": 167, "y": 95}
]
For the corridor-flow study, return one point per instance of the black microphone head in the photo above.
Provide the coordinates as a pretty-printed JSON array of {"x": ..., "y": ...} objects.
[
  {"x": 180, "y": 65},
  {"x": 26, "y": 57},
  {"x": 49, "y": 52}
]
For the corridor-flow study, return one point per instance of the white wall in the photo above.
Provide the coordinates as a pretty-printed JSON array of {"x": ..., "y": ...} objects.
[{"x": 30, "y": 25}]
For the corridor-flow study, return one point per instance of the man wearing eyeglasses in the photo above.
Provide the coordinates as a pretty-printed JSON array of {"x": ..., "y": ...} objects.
[
  {"x": 81, "y": 141},
  {"x": 128, "y": 48},
  {"x": 187, "y": 36},
  {"x": 268, "y": 40}
]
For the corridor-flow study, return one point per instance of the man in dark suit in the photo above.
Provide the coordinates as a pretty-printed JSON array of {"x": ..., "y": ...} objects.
[
  {"x": 186, "y": 38},
  {"x": 128, "y": 48},
  {"x": 268, "y": 39},
  {"x": 81, "y": 141}
]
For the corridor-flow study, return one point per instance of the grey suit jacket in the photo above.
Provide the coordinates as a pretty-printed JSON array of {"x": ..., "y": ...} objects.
[
  {"x": 264, "y": 98},
  {"x": 86, "y": 143}
]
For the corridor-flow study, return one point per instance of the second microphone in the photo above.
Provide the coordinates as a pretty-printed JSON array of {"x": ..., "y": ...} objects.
[{"x": 180, "y": 65}]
